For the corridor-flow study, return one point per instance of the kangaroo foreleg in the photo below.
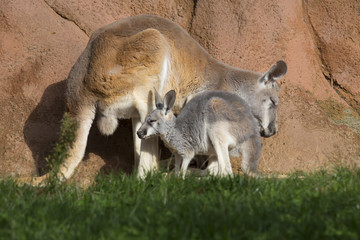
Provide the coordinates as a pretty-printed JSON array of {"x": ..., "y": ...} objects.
[
  {"x": 84, "y": 118},
  {"x": 136, "y": 123},
  {"x": 148, "y": 156}
]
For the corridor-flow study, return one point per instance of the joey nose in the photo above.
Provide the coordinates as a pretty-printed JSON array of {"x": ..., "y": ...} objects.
[{"x": 141, "y": 134}]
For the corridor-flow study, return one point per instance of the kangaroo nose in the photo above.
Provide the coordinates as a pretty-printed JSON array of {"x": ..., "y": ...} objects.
[
  {"x": 268, "y": 132},
  {"x": 141, "y": 134}
]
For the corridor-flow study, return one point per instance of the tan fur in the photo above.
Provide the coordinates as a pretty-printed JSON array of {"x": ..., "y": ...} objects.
[
  {"x": 122, "y": 64},
  {"x": 117, "y": 66}
]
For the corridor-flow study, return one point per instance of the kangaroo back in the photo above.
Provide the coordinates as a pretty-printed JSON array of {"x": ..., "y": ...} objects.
[{"x": 211, "y": 107}]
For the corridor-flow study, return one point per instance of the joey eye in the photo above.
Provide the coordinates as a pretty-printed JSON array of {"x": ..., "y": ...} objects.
[
  {"x": 274, "y": 102},
  {"x": 152, "y": 120}
]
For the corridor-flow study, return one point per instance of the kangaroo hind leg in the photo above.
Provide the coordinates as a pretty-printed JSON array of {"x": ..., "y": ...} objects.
[
  {"x": 250, "y": 154},
  {"x": 223, "y": 158}
]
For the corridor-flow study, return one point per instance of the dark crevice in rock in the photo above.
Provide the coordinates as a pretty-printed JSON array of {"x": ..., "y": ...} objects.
[
  {"x": 193, "y": 15},
  {"x": 343, "y": 93},
  {"x": 317, "y": 39},
  {"x": 65, "y": 17},
  {"x": 336, "y": 86}
]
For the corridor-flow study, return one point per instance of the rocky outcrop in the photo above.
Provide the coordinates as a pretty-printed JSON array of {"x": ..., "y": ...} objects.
[
  {"x": 41, "y": 40},
  {"x": 336, "y": 30}
]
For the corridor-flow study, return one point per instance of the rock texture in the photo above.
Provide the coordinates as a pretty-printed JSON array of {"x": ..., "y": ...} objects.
[
  {"x": 41, "y": 40},
  {"x": 336, "y": 31}
]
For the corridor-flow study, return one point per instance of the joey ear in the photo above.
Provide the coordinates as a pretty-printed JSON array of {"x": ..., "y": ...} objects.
[
  {"x": 169, "y": 100},
  {"x": 275, "y": 73},
  {"x": 158, "y": 101}
]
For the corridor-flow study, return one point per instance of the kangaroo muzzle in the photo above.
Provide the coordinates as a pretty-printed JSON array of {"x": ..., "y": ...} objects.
[
  {"x": 269, "y": 131},
  {"x": 141, "y": 133}
]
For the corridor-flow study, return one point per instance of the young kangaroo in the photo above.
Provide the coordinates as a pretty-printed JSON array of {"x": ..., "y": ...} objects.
[{"x": 212, "y": 123}]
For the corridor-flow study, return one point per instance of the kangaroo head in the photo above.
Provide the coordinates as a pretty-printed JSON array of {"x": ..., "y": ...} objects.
[
  {"x": 265, "y": 102},
  {"x": 155, "y": 122}
]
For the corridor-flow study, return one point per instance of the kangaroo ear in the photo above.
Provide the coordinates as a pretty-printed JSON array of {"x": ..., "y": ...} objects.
[
  {"x": 158, "y": 101},
  {"x": 169, "y": 100},
  {"x": 275, "y": 73}
]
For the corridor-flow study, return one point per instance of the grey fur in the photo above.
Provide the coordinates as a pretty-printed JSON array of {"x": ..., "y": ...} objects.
[
  {"x": 261, "y": 96},
  {"x": 212, "y": 123}
]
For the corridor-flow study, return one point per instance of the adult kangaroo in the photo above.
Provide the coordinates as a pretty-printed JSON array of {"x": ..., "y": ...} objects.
[{"x": 123, "y": 62}]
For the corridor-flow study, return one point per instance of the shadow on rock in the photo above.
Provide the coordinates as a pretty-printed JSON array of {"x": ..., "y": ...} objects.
[
  {"x": 116, "y": 150},
  {"x": 43, "y": 125}
]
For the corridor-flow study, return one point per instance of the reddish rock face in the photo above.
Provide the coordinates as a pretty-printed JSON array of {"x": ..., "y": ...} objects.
[
  {"x": 336, "y": 30},
  {"x": 319, "y": 40}
]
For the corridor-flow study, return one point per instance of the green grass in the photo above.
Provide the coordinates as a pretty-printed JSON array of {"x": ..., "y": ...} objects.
[{"x": 318, "y": 206}]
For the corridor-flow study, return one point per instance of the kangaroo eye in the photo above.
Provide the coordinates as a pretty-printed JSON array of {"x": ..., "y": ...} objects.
[
  {"x": 152, "y": 120},
  {"x": 273, "y": 102}
]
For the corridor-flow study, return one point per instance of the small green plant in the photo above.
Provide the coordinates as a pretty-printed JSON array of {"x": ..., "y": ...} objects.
[{"x": 61, "y": 149}]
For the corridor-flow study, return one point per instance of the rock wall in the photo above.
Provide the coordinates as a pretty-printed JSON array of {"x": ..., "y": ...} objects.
[{"x": 319, "y": 40}]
